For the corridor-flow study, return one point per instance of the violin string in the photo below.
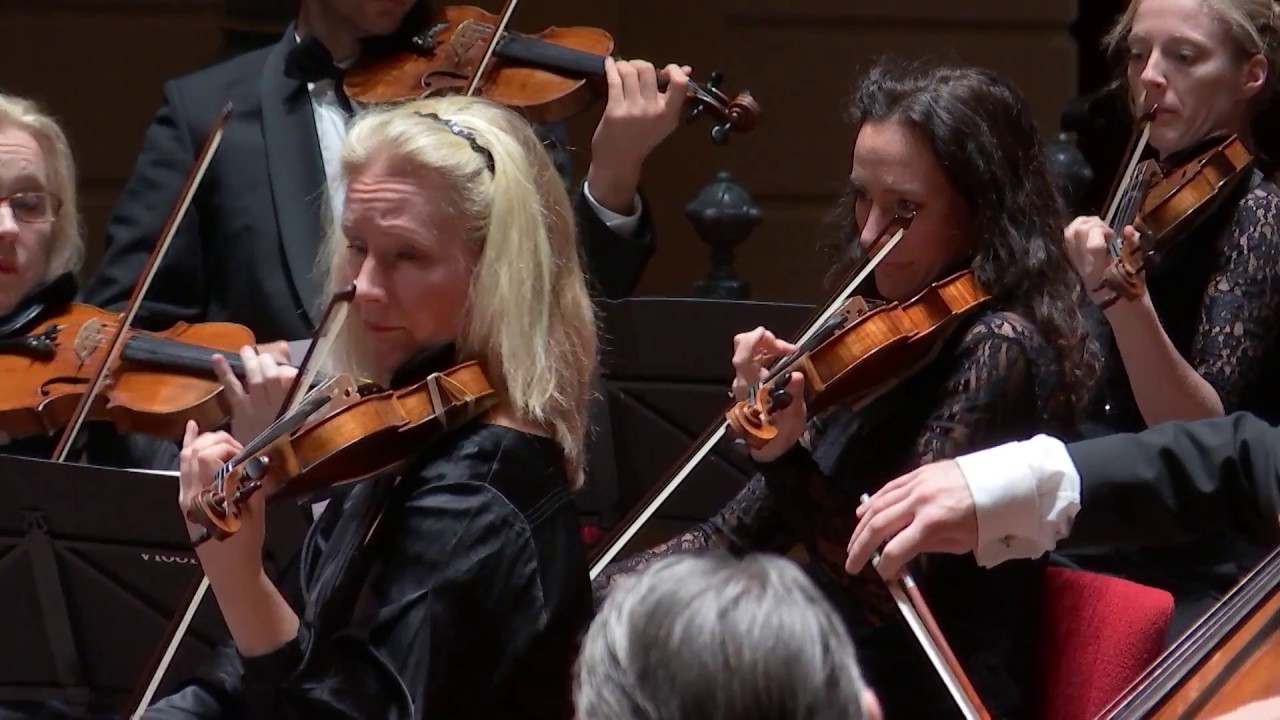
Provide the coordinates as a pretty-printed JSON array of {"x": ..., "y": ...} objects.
[
  {"x": 1127, "y": 182},
  {"x": 162, "y": 349},
  {"x": 822, "y": 328}
]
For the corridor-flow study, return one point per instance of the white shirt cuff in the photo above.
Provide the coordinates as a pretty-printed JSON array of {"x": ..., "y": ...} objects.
[
  {"x": 1026, "y": 495},
  {"x": 624, "y": 225}
]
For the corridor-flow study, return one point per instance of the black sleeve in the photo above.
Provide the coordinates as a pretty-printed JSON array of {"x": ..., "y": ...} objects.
[
  {"x": 178, "y": 293},
  {"x": 614, "y": 263},
  {"x": 1179, "y": 480},
  {"x": 1240, "y": 313},
  {"x": 453, "y": 544}
]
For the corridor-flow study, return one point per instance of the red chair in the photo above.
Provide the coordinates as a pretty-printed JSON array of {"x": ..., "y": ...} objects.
[{"x": 1097, "y": 635}]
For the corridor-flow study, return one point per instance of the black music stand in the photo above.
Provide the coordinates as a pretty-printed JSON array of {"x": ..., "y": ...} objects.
[
  {"x": 95, "y": 565},
  {"x": 664, "y": 381}
]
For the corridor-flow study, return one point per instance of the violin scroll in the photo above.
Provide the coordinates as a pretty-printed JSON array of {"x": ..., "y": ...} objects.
[
  {"x": 1124, "y": 276},
  {"x": 741, "y": 113},
  {"x": 750, "y": 419}
]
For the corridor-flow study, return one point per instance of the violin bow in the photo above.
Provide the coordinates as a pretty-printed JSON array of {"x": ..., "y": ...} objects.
[
  {"x": 508, "y": 9},
  {"x": 148, "y": 274},
  {"x": 1122, "y": 191},
  {"x": 914, "y": 610},
  {"x": 334, "y": 318},
  {"x": 618, "y": 539}
]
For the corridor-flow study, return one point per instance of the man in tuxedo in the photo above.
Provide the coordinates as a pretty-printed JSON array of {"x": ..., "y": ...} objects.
[
  {"x": 246, "y": 250},
  {"x": 1021, "y": 499}
]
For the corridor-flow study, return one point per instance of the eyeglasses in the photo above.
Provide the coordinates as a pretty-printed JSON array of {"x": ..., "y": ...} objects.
[{"x": 33, "y": 207}]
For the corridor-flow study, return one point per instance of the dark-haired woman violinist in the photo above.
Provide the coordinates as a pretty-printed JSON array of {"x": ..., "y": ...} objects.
[{"x": 957, "y": 149}]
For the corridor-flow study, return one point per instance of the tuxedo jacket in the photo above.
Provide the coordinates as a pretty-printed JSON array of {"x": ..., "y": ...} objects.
[
  {"x": 1177, "y": 481},
  {"x": 246, "y": 250}
]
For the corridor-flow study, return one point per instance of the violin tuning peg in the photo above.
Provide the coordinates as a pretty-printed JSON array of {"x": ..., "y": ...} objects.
[
  {"x": 720, "y": 134},
  {"x": 246, "y": 491},
  {"x": 256, "y": 467},
  {"x": 716, "y": 78},
  {"x": 780, "y": 398}
]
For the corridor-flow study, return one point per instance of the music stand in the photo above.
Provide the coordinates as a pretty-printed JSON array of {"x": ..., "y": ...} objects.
[
  {"x": 664, "y": 381},
  {"x": 95, "y": 564}
]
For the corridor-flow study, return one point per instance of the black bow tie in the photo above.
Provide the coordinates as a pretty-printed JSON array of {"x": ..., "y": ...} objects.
[{"x": 310, "y": 61}]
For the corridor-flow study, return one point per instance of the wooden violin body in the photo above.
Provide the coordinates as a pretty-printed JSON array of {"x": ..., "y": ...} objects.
[
  {"x": 1181, "y": 197},
  {"x": 161, "y": 381},
  {"x": 548, "y": 76},
  {"x": 1169, "y": 205},
  {"x": 358, "y": 437},
  {"x": 1229, "y": 659},
  {"x": 458, "y": 39},
  {"x": 866, "y": 353}
]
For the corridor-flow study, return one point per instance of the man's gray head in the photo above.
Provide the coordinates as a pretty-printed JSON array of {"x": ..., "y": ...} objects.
[{"x": 712, "y": 637}]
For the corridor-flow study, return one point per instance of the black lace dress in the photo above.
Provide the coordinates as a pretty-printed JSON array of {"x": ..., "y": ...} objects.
[
  {"x": 987, "y": 387},
  {"x": 1217, "y": 295}
]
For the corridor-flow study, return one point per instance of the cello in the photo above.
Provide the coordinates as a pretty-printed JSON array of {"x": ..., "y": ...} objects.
[{"x": 1227, "y": 660}]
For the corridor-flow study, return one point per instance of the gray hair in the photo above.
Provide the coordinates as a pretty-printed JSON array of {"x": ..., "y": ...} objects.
[{"x": 711, "y": 637}]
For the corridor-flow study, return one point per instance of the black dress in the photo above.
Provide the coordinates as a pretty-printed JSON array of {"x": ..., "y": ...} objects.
[
  {"x": 468, "y": 602},
  {"x": 1217, "y": 296},
  {"x": 989, "y": 385}
]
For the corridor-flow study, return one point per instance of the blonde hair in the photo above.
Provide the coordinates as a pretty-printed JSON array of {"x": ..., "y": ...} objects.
[
  {"x": 1250, "y": 23},
  {"x": 67, "y": 249},
  {"x": 528, "y": 316}
]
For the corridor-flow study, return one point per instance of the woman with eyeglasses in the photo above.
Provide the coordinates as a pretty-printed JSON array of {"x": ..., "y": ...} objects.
[
  {"x": 39, "y": 227},
  {"x": 41, "y": 248}
]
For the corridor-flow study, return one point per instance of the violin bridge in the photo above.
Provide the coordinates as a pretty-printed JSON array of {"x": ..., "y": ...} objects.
[{"x": 89, "y": 338}]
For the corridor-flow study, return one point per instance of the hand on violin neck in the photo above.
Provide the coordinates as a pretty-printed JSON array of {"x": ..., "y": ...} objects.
[
  {"x": 753, "y": 354},
  {"x": 254, "y": 402},
  {"x": 279, "y": 350},
  {"x": 1089, "y": 243},
  {"x": 637, "y": 118},
  {"x": 202, "y": 456}
]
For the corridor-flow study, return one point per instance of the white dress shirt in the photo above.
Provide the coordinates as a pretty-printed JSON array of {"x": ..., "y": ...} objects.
[{"x": 1026, "y": 495}]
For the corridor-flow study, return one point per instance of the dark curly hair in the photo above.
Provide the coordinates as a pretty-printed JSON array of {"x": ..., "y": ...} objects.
[{"x": 986, "y": 142}]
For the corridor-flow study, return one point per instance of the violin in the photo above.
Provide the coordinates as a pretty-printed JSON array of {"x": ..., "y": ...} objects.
[
  {"x": 1163, "y": 205},
  {"x": 360, "y": 436},
  {"x": 1229, "y": 659},
  {"x": 860, "y": 353},
  {"x": 549, "y": 76},
  {"x": 158, "y": 382}
]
